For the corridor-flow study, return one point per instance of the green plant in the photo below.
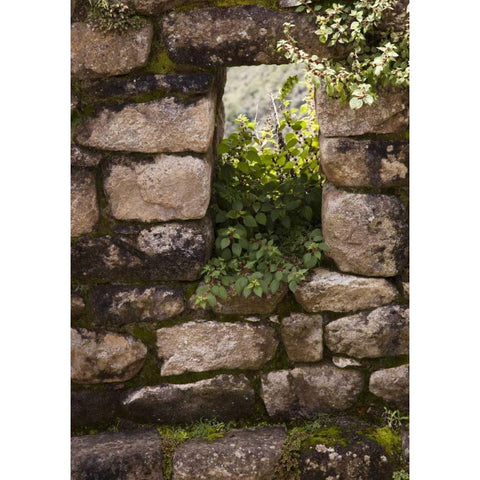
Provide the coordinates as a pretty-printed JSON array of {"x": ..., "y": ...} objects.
[
  {"x": 400, "y": 475},
  {"x": 393, "y": 418},
  {"x": 112, "y": 16},
  {"x": 268, "y": 195},
  {"x": 375, "y": 41}
]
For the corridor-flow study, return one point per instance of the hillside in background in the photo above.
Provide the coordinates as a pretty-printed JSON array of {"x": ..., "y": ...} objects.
[{"x": 248, "y": 88}]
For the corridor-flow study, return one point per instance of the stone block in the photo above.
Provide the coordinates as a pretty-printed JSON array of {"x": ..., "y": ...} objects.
[
  {"x": 206, "y": 346},
  {"x": 153, "y": 7},
  {"x": 389, "y": 114},
  {"x": 348, "y": 162},
  {"x": 345, "y": 362},
  {"x": 105, "y": 357},
  {"x": 84, "y": 211},
  {"x": 302, "y": 336},
  {"x": 128, "y": 456},
  {"x": 305, "y": 391},
  {"x": 249, "y": 454},
  {"x": 167, "y": 124},
  {"x": 391, "y": 385},
  {"x": 119, "y": 305},
  {"x": 327, "y": 290},
  {"x": 95, "y": 54},
  {"x": 225, "y": 398},
  {"x": 366, "y": 233},
  {"x": 82, "y": 157},
  {"x": 382, "y": 332},
  {"x": 166, "y": 252},
  {"x": 168, "y": 187}
]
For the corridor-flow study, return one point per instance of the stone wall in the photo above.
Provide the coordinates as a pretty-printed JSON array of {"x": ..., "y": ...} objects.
[{"x": 146, "y": 118}]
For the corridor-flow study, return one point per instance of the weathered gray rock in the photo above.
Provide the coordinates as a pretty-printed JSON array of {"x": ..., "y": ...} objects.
[
  {"x": 77, "y": 305},
  {"x": 253, "y": 305},
  {"x": 240, "y": 35},
  {"x": 95, "y": 54},
  {"x": 166, "y": 188},
  {"x": 205, "y": 346},
  {"x": 389, "y": 114},
  {"x": 406, "y": 289},
  {"x": 305, "y": 391},
  {"x": 84, "y": 211},
  {"x": 119, "y": 305},
  {"x": 348, "y": 162},
  {"x": 105, "y": 357},
  {"x": 95, "y": 408},
  {"x": 128, "y": 456},
  {"x": 366, "y": 233},
  {"x": 250, "y": 454},
  {"x": 382, "y": 332},
  {"x": 406, "y": 444},
  {"x": 391, "y": 385},
  {"x": 302, "y": 336},
  {"x": 172, "y": 251},
  {"x": 225, "y": 398},
  {"x": 345, "y": 362},
  {"x": 82, "y": 157},
  {"x": 153, "y": 7},
  {"x": 165, "y": 125},
  {"x": 327, "y": 290}
]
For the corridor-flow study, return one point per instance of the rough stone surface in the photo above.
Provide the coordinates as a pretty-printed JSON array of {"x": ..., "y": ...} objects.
[
  {"x": 389, "y": 114},
  {"x": 127, "y": 456},
  {"x": 305, "y": 391},
  {"x": 366, "y": 233},
  {"x": 406, "y": 444},
  {"x": 77, "y": 305},
  {"x": 253, "y": 305},
  {"x": 172, "y": 251},
  {"x": 105, "y": 357},
  {"x": 94, "y": 408},
  {"x": 84, "y": 211},
  {"x": 167, "y": 188},
  {"x": 382, "y": 332},
  {"x": 204, "y": 346},
  {"x": 165, "y": 125},
  {"x": 225, "y": 397},
  {"x": 240, "y": 35},
  {"x": 82, "y": 157},
  {"x": 348, "y": 162},
  {"x": 327, "y": 290},
  {"x": 120, "y": 305},
  {"x": 250, "y": 454},
  {"x": 391, "y": 385},
  {"x": 302, "y": 336},
  {"x": 96, "y": 54},
  {"x": 153, "y": 7},
  {"x": 345, "y": 362}
]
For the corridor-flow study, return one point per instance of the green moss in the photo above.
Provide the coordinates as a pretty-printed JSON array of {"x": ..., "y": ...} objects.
[
  {"x": 388, "y": 439},
  {"x": 329, "y": 436},
  {"x": 271, "y": 4},
  {"x": 160, "y": 61}
]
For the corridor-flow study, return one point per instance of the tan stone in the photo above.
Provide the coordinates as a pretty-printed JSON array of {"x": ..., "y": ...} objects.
[
  {"x": 81, "y": 157},
  {"x": 205, "y": 346},
  {"x": 95, "y": 54},
  {"x": 163, "y": 125},
  {"x": 105, "y": 357},
  {"x": 366, "y": 233},
  {"x": 153, "y": 7},
  {"x": 389, "y": 114},
  {"x": 391, "y": 385},
  {"x": 171, "y": 187},
  {"x": 302, "y": 336},
  {"x": 345, "y": 362},
  {"x": 84, "y": 211},
  {"x": 350, "y": 162},
  {"x": 327, "y": 290}
]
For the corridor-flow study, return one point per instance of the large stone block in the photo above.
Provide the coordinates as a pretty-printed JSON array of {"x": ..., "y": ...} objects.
[
  {"x": 134, "y": 455},
  {"x": 306, "y": 391},
  {"x": 205, "y": 346},
  {"x": 348, "y": 162},
  {"x": 165, "y": 125},
  {"x": 366, "y": 233},
  {"x": 84, "y": 211},
  {"x": 391, "y": 385},
  {"x": 105, "y": 357},
  {"x": 302, "y": 336},
  {"x": 96, "y": 54},
  {"x": 327, "y": 290},
  {"x": 250, "y": 454},
  {"x": 389, "y": 114},
  {"x": 380, "y": 333},
  {"x": 171, "y": 251},
  {"x": 225, "y": 398},
  {"x": 240, "y": 35},
  {"x": 119, "y": 305},
  {"x": 169, "y": 187}
]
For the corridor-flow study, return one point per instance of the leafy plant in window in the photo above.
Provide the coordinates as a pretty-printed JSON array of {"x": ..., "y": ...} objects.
[
  {"x": 375, "y": 41},
  {"x": 112, "y": 16},
  {"x": 268, "y": 196}
]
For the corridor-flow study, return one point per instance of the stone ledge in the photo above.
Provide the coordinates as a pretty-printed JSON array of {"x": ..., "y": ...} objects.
[
  {"x": 84, "y": 211},
  {"x": 392, "y": 385}
]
